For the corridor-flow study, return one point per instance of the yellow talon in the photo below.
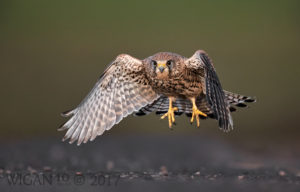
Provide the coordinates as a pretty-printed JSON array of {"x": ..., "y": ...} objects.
[
  {"x": 196, "y": 113},
  {"x": 170, "y": 113}
]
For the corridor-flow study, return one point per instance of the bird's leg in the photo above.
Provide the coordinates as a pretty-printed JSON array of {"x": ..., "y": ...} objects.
[
  {"x": 196, "y": 112},
  {"x": 170, "y": 113}
]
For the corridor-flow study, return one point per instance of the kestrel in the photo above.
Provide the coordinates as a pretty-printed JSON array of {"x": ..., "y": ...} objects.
[{"x": 167, "y": 83}]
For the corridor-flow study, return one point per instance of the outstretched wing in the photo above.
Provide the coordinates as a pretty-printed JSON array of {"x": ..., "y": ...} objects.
[
  {"x": 212, "y": 88},
  {"x": 121, "y": 90}
]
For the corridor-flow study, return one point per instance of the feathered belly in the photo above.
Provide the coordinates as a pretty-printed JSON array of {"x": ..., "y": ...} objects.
[{"x": 178, "y": 87}]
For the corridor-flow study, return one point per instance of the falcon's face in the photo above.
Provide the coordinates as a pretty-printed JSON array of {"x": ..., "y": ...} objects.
[
  {"x": 162, "y": 68},
  {"x": 164, "y": 65}
]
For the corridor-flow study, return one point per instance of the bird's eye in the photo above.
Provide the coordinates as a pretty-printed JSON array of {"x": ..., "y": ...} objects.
[
  {"x": 169, "y": 62},
  {"x": 154, "y": 63}
]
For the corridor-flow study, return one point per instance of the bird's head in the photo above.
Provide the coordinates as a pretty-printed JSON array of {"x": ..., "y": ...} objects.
[{"x": 164, "y": 65}]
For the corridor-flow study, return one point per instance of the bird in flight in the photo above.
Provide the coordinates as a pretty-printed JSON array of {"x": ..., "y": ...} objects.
[{"x": 167, "y": 83}]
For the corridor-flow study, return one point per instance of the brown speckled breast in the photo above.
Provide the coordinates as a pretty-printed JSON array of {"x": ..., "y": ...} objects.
[{"x": 188, "y": 84}]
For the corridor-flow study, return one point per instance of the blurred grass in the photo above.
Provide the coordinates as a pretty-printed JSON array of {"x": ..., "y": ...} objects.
[{"x": 52, "y": 52}]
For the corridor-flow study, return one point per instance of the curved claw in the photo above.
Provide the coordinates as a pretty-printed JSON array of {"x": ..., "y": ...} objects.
[
  {"x": 196, "y": 113},
  {"x": 170, "y": 115}
]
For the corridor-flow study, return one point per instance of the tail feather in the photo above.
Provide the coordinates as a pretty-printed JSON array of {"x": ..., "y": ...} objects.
[
  {"x": 161, "y": 105},
  {"x": 237, "y": 99}
]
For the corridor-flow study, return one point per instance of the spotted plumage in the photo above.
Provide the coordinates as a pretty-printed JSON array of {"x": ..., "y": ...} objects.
[{"x": 165, "y": 82}]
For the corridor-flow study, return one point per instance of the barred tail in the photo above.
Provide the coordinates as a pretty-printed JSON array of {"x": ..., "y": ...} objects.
[
  {"x": 238, "y": 100},
  {"x": 161, "y": 105}
]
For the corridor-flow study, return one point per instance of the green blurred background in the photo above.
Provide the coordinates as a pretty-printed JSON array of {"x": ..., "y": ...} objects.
[{"x": 52, "y": 53}]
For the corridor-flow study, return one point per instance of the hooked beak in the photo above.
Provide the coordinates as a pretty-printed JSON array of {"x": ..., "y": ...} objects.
[{"x": 161, "y": 66}]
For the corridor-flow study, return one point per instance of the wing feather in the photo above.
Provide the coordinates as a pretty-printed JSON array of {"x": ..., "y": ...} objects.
[
  {"x": 212, "y": 88},
  {"x": 111, "y": 115},
  {"x": 122, "y": 89},
  {"x": 129, "y": 100},
  {"x": 98, "y": 121},
  {"x": 92, "y": 123},
  {"x": 87, "y": 120},
  {"x": 103, "y": 115},
  {"x": 122, "y": 99},
  {"x": 118, "y": 105}
]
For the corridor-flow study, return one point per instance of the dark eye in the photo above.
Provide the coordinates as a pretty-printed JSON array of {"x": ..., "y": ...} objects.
[
  {"x": 154, "y": 63},
  {"x": 169, "y": 62}
]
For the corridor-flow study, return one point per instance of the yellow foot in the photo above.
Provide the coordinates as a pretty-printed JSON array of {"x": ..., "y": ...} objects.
[
  {"x": 196, "y": 114},
  {"x": 170, "y": 115}
]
